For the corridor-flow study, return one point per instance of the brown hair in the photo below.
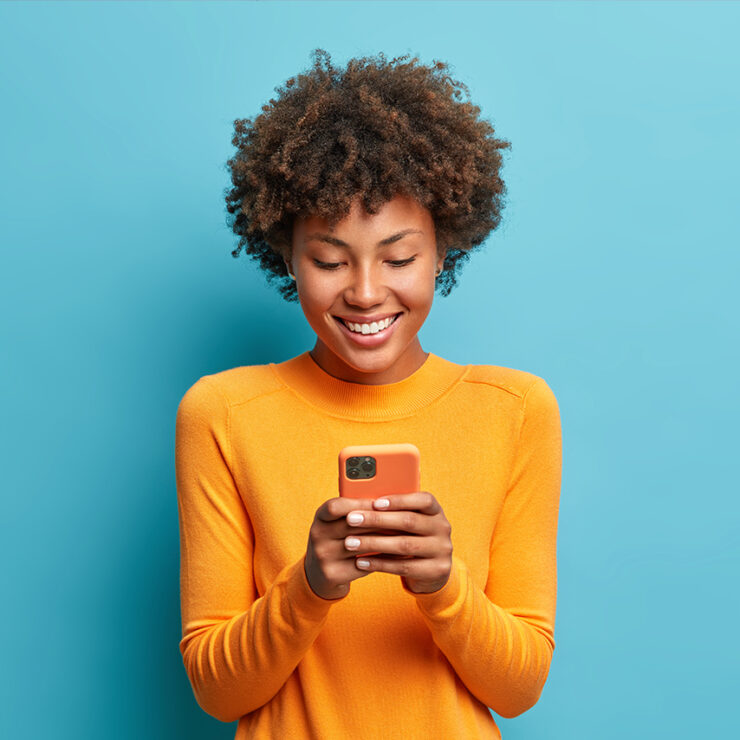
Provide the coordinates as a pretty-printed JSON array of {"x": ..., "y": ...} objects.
[{"x": 376, "y": 129}]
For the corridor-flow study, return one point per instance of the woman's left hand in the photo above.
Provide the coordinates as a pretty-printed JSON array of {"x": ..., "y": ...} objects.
[{"x": 421, "y": 553}]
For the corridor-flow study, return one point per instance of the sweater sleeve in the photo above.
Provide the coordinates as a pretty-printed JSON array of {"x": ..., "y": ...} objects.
[
  {"x": 238, "y": 649},
  {"x": 500, "y": 639}
]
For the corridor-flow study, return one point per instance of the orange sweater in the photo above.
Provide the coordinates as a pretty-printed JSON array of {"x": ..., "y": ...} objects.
[{"x": 256, "y": 454}]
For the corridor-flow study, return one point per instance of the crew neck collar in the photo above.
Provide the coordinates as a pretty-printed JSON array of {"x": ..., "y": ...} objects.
[{"x": 368, "y": 402}]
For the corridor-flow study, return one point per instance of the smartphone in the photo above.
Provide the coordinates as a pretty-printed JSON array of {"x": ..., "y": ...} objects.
[{"x": 371, "y": 471}]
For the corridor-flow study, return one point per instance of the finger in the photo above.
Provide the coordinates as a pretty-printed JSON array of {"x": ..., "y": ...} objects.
[
  {"x": 339, "y": 529},
  {"x": 332, "y": 552},
  {"x": 421, "y": 501},
  {"x": 342, "y": 571},
  {"x": 409, "y": 546},
  {"x": 338, "y": 507},
  {"x": 407, "y": 521},
  {"x": 410, "y": 567}
]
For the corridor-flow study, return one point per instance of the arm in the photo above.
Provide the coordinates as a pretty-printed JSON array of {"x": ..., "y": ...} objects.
[
  {"x": 500, "y": 640},
  {"x": 238, "y": 649}
]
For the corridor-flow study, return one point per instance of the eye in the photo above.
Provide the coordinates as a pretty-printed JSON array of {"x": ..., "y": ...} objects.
[
  {"x": 401, "y": 263},
  {"x": 327, "y": 265}
]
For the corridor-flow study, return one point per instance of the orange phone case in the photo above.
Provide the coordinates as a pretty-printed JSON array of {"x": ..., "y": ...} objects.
[{"x": 397, "y": 470}]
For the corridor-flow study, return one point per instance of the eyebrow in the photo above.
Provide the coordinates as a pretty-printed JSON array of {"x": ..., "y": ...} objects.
[{"x": 339, "y": 243}]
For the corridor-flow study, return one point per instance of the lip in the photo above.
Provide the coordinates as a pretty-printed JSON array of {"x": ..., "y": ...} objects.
[{"x": 370, "y": 340}]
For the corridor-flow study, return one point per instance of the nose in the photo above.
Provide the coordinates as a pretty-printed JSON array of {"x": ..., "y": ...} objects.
[{"x": 365, "y": 287}]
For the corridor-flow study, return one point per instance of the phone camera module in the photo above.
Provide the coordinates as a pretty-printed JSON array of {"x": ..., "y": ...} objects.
[{"x": 360, "y": 467}]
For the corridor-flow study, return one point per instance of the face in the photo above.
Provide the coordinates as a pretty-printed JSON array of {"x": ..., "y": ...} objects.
[{"x": 366, "y": 269}]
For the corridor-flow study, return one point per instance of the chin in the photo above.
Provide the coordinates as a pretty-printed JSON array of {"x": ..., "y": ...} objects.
[{"x": 370, "y": 362}]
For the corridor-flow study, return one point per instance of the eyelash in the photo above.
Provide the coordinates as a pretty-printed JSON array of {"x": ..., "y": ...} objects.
[{"x": 334, "y": 265}]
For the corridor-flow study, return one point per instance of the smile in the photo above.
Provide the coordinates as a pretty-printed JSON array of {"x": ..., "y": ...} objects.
[
  {"x": 369, "y": 335},
  {"x": 374, "y": 328}
]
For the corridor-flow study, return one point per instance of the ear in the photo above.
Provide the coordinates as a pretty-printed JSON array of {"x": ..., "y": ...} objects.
[
  {"x": 287, "y": 265},
  {"x": 441, "y": 261}
]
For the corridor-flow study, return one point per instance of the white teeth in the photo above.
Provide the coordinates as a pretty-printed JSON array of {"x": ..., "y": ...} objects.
[{"x": 372, "y": 328}]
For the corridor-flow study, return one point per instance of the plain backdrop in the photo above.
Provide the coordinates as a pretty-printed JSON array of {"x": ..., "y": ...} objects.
[{"x": 613, "y": 275}]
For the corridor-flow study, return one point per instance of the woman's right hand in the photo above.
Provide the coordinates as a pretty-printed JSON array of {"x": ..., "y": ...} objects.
[{"x": 329, "y": 565}]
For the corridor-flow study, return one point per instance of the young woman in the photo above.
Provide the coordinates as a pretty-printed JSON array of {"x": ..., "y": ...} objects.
[{"x": 361, "y": 191}]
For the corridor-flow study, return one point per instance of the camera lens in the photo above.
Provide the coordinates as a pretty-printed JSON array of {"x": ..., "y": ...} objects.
[
  {"x": 352, "y": 473},
  {"x": 353, "y": 461},
  {"x": 367, "y": 466}
]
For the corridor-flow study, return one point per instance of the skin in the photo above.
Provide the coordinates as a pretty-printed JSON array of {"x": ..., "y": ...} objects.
[{"x": 362, "y": 280}]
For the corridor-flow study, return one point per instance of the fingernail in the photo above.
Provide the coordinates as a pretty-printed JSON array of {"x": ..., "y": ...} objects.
[
  {"x": 382, "y": 503},
  {"x": 352, "y": 543},
  {"x": 363, "y": 563},
  {"x": 355, "y": 518}
]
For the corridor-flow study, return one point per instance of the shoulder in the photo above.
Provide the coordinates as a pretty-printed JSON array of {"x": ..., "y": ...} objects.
[
  {"x": 229, "y": 388},
  {"x": 517, "y": 383},
  {"x": 524, "y": 393}
]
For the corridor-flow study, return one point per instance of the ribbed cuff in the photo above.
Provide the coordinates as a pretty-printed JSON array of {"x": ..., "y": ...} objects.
[
  {"x": 448, "y": 600},
  {"x": 300, "y": 594}
]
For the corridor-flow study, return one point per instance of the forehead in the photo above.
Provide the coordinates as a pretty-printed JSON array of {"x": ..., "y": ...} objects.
[{"x": 399, "y": 212}]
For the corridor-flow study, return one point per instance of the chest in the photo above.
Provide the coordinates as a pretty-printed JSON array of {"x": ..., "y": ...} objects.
[{"x": 284, "y": 474}]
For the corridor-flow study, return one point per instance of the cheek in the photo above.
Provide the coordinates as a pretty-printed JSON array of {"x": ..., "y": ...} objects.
[
  {"x": 419, "y": 292},
  {"x": 316, "y": 304},
  {"x": 314, "y": 293}
]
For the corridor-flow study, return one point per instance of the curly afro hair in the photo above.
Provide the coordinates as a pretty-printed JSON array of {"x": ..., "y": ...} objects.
[{"x": 375, "y": 130}]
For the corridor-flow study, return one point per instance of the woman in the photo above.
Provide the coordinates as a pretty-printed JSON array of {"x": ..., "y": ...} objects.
[{"x": 360, "y": 191}]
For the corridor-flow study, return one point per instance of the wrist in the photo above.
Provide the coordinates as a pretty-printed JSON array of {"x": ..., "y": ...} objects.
[{"x": 425, "y": 588}]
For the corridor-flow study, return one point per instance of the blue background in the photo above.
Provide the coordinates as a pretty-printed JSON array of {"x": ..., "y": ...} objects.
[{"x": 611, "y": 276}]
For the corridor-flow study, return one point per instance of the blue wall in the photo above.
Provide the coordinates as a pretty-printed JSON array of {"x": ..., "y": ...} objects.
[{"x": 611, "y": 276}]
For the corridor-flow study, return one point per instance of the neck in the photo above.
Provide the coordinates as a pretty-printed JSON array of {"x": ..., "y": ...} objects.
[{"x": 366, "y": 402}]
